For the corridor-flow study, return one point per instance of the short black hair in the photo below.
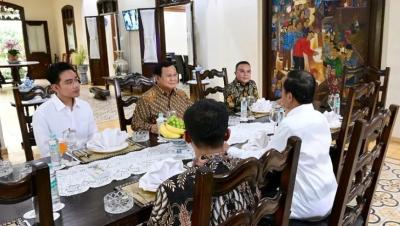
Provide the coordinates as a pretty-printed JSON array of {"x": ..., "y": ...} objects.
[
  {"x": 301, "y": 85},
  {"x": 206, "y": 122},
  {"x": 240, "y": 63},
  {"x": 55, "y": 70},
  {"x": 160, "y": 66}
]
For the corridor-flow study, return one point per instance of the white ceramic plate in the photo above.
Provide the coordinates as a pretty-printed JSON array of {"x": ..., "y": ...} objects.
[{"x": 112, "y": 149}]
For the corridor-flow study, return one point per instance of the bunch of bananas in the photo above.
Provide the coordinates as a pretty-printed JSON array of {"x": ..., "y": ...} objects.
[{"x": 173, "y": 128}]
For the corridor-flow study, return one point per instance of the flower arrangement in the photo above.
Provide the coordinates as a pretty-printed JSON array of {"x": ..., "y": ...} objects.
[{"x": 13, "y": 47}]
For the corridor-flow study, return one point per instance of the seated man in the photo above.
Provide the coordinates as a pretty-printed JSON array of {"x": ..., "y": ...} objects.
[
  {"x": 242, "y": 86},
  {"x": 206, "y": 129},
  {"x": 162, "y": 97},
  {"x": 315, "y": 186},
  {"x": 64, "y": 110}
]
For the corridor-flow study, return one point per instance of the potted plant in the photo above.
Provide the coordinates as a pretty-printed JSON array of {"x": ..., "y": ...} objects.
[
  {"x": 79, "y": 59},
  {"x": 13, "y": 50}
]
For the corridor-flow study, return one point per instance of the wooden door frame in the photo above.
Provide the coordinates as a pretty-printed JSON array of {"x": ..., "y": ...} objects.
[
  {"x": 22, "y": 19},
  {"x": 102, "y": 51},
  {"x": 160, "y": 45},
  {"x": 66, "y": 21},
  {"x": 46, "y": 35},
  {"x": 374, "y": 56},
  {"x": 162, "y": 26}
]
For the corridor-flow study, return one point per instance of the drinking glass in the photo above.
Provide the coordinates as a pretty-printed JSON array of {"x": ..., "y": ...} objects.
[
  {"x": 117, "y": 202},
  {"x": 140, "y": 136},
  {"x": 331, "y": 101},
  {"x": 70, "y": 139},
  {"x": 250, "y": 101},
  {"x": 5, "y": 168}
]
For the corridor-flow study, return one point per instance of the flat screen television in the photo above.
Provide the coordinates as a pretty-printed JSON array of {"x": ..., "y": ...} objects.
[{"x": 131, "y": 19}]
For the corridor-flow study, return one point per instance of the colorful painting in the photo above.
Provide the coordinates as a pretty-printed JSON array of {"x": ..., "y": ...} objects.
[{"x": 319, "y": 36}]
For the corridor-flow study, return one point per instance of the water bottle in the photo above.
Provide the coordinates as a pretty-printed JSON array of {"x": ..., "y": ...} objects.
[
  {"x": 55, "y": 197},
  {"x": 337, "y": 104},
  {"x": 243, "y": 108},
  {"x": 160, "y": 120},
  {"x": 54, "y": 152}
]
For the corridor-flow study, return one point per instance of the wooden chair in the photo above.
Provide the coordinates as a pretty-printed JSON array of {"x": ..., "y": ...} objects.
[
  {"x": 202, "y": 91},
  {"x": 356, "y": 74},
  {"x": 137, "y": 81},
  {"x": 208, "y": 185},
  {"x": 361, "y": 104},
  {"x": 37, "y": 185},
  {"x": 25, "y": 113},
  {"x": 284, "y": 163},
  {"x": 363, "y": 164},
  {"x": 375, "y": 74}
]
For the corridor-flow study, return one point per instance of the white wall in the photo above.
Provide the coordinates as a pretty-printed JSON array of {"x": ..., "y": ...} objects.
[
  {"x": 176, "y": 33},
  {"x": 227, "y": 33},
  {"x": 391, "y": 55}
]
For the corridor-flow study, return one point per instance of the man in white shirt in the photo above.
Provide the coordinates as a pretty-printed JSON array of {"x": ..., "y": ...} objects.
[
  {"x": 64, "y": 110},
  {"x": 315, "y": 186}
]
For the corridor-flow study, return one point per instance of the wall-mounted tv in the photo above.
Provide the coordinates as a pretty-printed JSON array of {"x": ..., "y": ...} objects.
[{"x": 131, "y": 19}]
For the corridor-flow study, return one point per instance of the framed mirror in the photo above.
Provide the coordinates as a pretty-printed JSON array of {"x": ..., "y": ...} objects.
[{"x": 69, "y": 28}]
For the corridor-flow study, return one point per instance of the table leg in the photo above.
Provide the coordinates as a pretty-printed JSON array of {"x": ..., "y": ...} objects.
[{"x": 15, "y": 76}]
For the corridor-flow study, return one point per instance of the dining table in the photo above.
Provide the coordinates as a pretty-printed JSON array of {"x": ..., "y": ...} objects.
[
  {"x": 15, "y": 67},
  {"x": 87, "y": 208}
]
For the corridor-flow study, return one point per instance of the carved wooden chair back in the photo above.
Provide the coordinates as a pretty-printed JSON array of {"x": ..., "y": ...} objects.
[{"x": 202, "y": 90}]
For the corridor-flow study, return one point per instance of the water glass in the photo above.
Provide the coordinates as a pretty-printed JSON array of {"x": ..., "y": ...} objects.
[
  {"x": 117, "y": 202},
  {"x": 69, "y": 136},
  {"x": 140, "y": 136},
  {"x": 233, "y": 120},
  {"x": 5, "y": 168},
  {"x": 331, "y": 101}
]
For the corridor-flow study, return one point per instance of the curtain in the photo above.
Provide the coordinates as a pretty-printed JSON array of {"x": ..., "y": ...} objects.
[
  {"x": 93, "y": 38},
  {"x": 71, "y": 37},
  {"x": 149, "y": 36},
  {"x": 36, "y": 38}
]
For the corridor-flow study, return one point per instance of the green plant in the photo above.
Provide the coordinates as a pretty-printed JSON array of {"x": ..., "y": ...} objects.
[{"x": 79, "y": 57}]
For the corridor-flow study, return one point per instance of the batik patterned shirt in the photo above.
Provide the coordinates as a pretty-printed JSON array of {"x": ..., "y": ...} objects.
[
  {"x": 156, "y": 100},
  {"x": 234, "y": 92},
  {"x": 174, "y": 198}
]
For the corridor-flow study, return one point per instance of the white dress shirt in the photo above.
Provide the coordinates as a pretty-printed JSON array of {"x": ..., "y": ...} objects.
[
  {"x": 315, "y": 186},
  {"x": 54, "y": 116}
]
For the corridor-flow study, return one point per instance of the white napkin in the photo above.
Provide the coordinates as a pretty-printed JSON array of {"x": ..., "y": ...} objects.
[
  {"x": 244, "y": 154},
  {"x": 258, "y": 142},
  {"x": 245, "y": 131},
  {"x": 159, "y": 172},
  {"x": 334, "y": 119},
  {"x": 107, "y": 138},
  {"x": 262, "y": 105}
]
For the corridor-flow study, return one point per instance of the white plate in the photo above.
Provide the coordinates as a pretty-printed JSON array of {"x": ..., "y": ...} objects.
[
  {"x": 112, "y": 149},
  {"x": 260, "y": 112}
]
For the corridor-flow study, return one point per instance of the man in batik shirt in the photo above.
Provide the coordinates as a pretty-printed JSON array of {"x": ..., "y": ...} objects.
[
  {"x": 206, "y": 130},
  {"x": 241, "y": 87},
  {"x": 162, "y": 97}
]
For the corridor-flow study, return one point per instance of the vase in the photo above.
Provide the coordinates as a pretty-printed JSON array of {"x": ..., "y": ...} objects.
[
  {"x": 120, "y": 65},
  {"x": 12, "y": 58},
  {"x": 82, "y": 71}
]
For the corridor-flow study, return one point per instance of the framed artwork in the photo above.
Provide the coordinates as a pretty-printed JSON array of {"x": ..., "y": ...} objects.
[{"x": 318, "y": 36}]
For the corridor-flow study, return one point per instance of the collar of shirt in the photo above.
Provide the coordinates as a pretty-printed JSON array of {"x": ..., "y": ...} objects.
[
  {"x": 60, "y": 105},
  {"x": 163, "y": 92},
  {"x": 301, "y": 108},
  {"x": 238, "y": 84}
]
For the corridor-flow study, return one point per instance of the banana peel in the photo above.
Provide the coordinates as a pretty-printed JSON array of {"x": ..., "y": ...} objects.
[
  {"x": 174, "y": 129},
  {"x": 167, "y": 133}
]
